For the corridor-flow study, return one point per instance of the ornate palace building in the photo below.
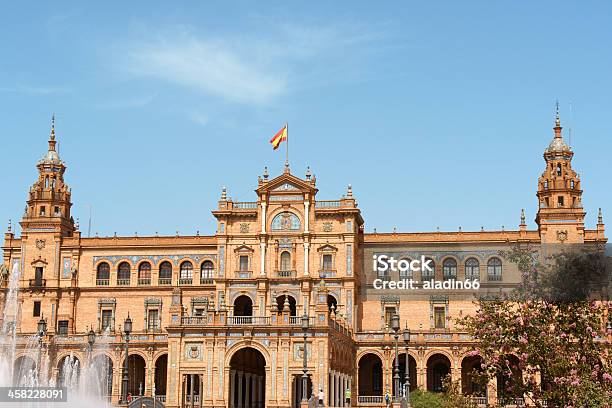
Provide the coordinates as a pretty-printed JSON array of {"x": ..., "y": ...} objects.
[{"x": 217, "y": 319}]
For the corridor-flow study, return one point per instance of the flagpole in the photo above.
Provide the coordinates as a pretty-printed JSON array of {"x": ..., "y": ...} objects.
[{"x": 287, "y": 146}]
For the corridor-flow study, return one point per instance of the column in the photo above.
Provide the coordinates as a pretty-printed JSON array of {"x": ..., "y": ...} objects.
[
  {"x": 306, "y": 247},
  {"x": 306, "y": 215},
  {"x": 263, "y": 217},
  {"x": 191, "y": 390},
  {"x": 261, "y": 386},
  {"x": 247, "y": 393},
  {"x": 262, "y": 266},
  {"x": 240, "y": 404},
  {"x": 231, "y": 387}
]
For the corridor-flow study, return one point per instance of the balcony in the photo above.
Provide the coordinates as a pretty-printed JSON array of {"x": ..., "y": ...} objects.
[
  {"x": 144, "y": 281},
  {"x": 165, "y": 281},
  {"x": 38, "y": 283},
  {"x": 286, "y": 274},
  {"x": 102, "y": 282},
  {"x": 248, "y": 320},
  {"x": 245, "y": 205},
  {"x": 207, "y": 279},
  {"x": 123, "y": 282},
  {"x": 494, "y": 278},
  {"x": 186, "y": 281}
]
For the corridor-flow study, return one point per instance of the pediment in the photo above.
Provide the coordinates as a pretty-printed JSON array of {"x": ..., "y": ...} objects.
[
  {"x": 327, "y": 248},
  {"x": 287, "y": 183}
]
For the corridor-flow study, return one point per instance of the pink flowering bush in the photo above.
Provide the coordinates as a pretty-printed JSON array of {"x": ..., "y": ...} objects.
[{"x": 546, "y": 349}]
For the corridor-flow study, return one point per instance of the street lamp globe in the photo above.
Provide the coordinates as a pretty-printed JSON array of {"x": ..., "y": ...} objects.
[
  {"x": 406, "y": 335},
  {"x": 127, "y": 325},
  {"x": 42, "y": 327},
  {"x": 395, "y": 322}
]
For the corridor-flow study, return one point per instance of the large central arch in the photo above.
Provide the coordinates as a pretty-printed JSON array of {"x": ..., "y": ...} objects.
[{"x": 247, "y": 380}]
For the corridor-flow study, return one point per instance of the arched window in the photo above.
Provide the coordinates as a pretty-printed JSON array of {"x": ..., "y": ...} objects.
[
  {"x": 572, "y": 185},
  {"x": 144, "y": 273},
  {"x": 472, "y": 269},
  {"x": 427, "y": 274},
  {"x": 103, "y": 274},
  {"x": 186, "y": 273},
  {"x": 123, "y": 274},
  {"x": 494, "y": 269},
  {"x": 449, "y": 267},
  {"x": 286, "y": 221},
  {"x": 285, "y": 261},
  {"x": 404, "y": 269},
  {"x": 206, "y": 272},
  {"x": 558, "y": 169},
  {"x": 165, "y": 273}
]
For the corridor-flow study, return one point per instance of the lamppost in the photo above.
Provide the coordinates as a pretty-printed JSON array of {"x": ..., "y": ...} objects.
[
  {"x": 42, "y": 331},
  {"x": 407, "y": 376},
  {"x": 127, "y": 329},
  {"x": 305, "y": 322},
  {"x": 396, "y": 377}
]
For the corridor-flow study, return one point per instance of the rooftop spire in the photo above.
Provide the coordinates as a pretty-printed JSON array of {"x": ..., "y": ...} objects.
[
  {"x": 557, "y": 127},
  {"x": 52, "y": 140}
]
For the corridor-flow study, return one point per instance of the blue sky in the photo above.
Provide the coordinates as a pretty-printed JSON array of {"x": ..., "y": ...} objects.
[{"x": 436, "y": 113}]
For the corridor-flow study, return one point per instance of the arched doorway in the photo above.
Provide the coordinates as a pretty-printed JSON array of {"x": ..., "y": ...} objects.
[
  {"x": 243, "y": 306},
  {"x": 191, "y": 390},
  {"x": 161, "y": 373},
  {"x": 370, "y": 375},
  {"x": 136, "y": 375},
  {"x": 438, "y": 367},
  {"x": 103, "y": 368},
  {"x": 69, "y": 371},
  {"x": 24, "y": 371},
  {"x": 280, "y": 304},
  {"x": 247, "y": 387},
  {"x": 471, "y": 366},
  {"x": 402, "y": 372}
]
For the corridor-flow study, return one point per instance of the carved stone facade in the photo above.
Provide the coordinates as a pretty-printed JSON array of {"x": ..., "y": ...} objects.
[{"x": 217, "y": 320}]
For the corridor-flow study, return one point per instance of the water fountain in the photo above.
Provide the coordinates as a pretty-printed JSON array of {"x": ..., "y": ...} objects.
[{"x": 86, "y": 384}]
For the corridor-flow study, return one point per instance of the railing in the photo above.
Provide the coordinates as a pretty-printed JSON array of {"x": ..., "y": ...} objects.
[
  {"x": 102, "y": 282},
  {"x": 165, "y": 281},
  {"x": 206, "y": 280},
  {"x": 196, "y": 398},
  {"x": 405, "y": 275},
  {"x": 449, "y": 276},
  {"x": 194, "y": 320},
  {"x": 154, "y": 326},
  {"x": 185, "y": 281},
  {"x": 472, "y": 276},
  {"x": 38, "y": 283},
  {"x": 160, "y": 398},
  {"x": 494, "y": 278},
  {"x": 516, "y": 402},
  {"x": 427, "y": 276},
  {"x": 297, "y": 321},
  {"x": 144, "y": 281},
  {"x": 370, "y": 399},
  {"x": 286, "y": 274},
  {"x": 123, "y": 282},
  {"x": 248, "y": 320},
  {"x": 327, "y": 204},
  {"x": 245, "y": 205}
]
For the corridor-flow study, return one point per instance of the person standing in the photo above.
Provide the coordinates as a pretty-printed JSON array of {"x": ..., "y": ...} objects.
[
  {"x": 321, "y": 397},
  {"x": 347, "y": 396}
]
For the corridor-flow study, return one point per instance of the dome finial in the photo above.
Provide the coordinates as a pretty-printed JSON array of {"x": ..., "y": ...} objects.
[{"x": 53, "y": 126}]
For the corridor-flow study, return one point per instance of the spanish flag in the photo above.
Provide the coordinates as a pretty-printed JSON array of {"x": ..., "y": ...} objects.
[{"x": 279, "y": 137}]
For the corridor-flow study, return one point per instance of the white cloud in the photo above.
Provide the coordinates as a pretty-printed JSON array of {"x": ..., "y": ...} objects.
[
  {"x": 200, "y": 118},
  {"x": 250, "y": 69},
  {"x": 35, "y": 90}
]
